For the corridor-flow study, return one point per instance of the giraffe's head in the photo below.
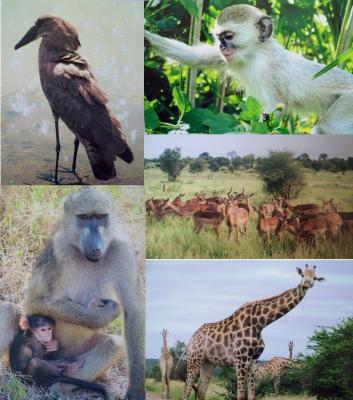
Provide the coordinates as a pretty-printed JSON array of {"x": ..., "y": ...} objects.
[
  {"x": 309, "y": 276},
  {"x": 164, "y": 333}
]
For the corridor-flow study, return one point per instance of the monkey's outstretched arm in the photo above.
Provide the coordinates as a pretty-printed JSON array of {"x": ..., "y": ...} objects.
[
  {"x": 130, "y": 291},
  {"x": 201, "y": 56}
]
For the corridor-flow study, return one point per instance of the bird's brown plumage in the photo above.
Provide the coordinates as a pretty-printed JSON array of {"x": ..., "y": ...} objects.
[{"x": 76, "y": 97}]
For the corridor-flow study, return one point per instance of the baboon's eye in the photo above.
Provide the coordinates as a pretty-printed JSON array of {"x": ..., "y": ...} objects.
[
  {"x": 84, "y": 216},
  {"x": 100, "y": 216}
]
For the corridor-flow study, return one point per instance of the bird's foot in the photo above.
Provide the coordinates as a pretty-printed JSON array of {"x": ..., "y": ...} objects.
[
  {"x": 67, "y": 170},
  {"x": 51, "y": 179}
]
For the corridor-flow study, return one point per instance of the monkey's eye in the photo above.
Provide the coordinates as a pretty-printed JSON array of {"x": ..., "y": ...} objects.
[
  {"x": 84, "y": 216},
  {"x": 100, "y": 216},
  {"x": 229, "y": 36}
]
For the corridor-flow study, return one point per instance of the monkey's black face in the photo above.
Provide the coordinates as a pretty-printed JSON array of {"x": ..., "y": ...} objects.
[
  {"x": 227, "y": 45},
  {"x": 92, "y": 228}
]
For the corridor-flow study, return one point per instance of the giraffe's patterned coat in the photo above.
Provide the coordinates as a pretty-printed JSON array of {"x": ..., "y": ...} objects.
[{"x": 236, "y": 340}]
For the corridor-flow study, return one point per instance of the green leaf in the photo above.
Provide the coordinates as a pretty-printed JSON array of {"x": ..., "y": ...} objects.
[
  {"x": 191, "y": 7},
  {"x": 259, "y": 127},
  {"x": 181, "y": 101},
  {"x": 251, "y": 110},
  {"x": 220, "y": 123},
  {"x": 195, "y": 119},
  {"x": 347, "y": 55},
  {"x": 151, "y": 117}
]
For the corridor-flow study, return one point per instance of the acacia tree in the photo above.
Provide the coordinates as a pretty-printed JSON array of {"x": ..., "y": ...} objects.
[
  {"x": 171, "y": 163},
  {"x": 198, "y": 165},
  {"x": 281, "y": 174}
]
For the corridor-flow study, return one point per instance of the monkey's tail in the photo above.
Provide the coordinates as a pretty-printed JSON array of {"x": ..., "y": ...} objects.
[{"x": 96, "y": 387}]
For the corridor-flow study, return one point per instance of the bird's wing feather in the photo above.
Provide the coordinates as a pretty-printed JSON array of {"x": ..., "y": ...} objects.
[{"x": 82, "y": 106}]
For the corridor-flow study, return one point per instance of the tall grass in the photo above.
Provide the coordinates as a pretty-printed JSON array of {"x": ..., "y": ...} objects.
[{"x": 174, "y": 237}]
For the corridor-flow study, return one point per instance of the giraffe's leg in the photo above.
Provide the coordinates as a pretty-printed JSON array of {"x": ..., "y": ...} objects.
[
  {"x": 241, "y": 380},
  {"x": 251, "y": 380},
  {"x": 276, "y": 384},
  {"x": 168, "y": 384},
  {"x": 193, "y": 368},
  {"x": 163, "y": 388},
  {"x": 206, "y": 373}
]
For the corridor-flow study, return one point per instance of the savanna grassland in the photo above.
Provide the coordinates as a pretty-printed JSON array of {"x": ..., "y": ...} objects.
[
  {"x": 28, "y": 215},
  {"x": 174, "y": 237},
  {"x": 214, "y": 392}
]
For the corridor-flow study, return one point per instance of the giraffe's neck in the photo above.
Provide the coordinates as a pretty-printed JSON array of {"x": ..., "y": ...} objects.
[
  {"x": 165, "y": 346},
  {"x": 275, "y": 307}
]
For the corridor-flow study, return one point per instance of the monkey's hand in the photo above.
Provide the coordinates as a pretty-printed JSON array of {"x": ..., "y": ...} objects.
[
  {"x": 51, "y": 346},
  {"x": 108, "y": 309}
]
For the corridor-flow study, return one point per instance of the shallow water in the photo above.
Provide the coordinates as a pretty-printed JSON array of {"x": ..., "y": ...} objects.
[{"x": 111, "y": 36}]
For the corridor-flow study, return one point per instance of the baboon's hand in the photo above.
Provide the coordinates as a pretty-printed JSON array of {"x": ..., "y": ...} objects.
[{"x": 108, "y": 309}]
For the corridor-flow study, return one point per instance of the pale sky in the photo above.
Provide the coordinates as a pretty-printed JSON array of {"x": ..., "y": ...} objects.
[
  {"x": 260, "y": 145},
  {"x": 181, "y": 295}
]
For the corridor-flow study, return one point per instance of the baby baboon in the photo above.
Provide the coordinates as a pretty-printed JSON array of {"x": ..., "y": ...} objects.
[
  {"x": 86, "y": 271},
  {"x": 32, "y": 350}
]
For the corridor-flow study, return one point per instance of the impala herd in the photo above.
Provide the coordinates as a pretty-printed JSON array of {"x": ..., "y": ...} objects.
[{"x": 307, "y": 222}]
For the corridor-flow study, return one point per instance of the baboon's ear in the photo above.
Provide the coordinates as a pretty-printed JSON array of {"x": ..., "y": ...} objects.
[
  {"x": 300, "y": 272},
  {"x": 265, "y": 27}
]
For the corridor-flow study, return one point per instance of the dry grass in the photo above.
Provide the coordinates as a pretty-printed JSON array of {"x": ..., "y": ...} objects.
[{"x": 27, "y": 217}]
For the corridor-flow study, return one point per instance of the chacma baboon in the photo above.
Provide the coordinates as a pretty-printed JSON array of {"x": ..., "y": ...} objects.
[
  {"x": 31, "y": 353},
  {"x": 245, "y": 49},
  {"x": 87, "y": 269}
]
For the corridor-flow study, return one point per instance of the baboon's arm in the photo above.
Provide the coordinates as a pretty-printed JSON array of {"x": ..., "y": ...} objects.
[
  {"x": 130, "y": 291},
  {"x": 73, "y": 313},
  {"x": 201, "y": 56},
  {"x": 39, "y": 297}
]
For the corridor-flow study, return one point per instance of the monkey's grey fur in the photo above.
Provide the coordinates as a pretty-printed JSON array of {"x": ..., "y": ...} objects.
[
  {"x": 84, "y": 297},
  {"x": 245, "y": 50}
]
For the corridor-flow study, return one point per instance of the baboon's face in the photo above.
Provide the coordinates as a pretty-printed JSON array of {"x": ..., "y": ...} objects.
[{"x": 92, "y": 229}]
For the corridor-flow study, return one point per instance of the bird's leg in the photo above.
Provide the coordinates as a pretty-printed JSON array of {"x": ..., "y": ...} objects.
[
  {"x": 76, "y": 144},
  {"x": 73, "y": 169},
  {"x": 49, "y": 178},
  {"x": 57, "y": 148}
]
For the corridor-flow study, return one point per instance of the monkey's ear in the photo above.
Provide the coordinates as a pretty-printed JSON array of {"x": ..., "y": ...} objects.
[
  {"x": 23, "y": 323},
  {"x": 265, "y": 27}
]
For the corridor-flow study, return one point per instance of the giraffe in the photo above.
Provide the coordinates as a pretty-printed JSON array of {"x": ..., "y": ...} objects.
[
  {"x": 166, "y": 365},
  {"x": 236, "y": 341},
  {"x": 275, "y": 368}
]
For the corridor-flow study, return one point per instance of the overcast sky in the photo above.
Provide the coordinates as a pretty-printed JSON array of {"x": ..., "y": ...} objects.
[
  {"x": 260, "y": 145},
  {"x": 184, "y": 294}
]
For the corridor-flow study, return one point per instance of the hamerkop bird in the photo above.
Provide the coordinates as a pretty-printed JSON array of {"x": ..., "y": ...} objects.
[{"x": 75, "y": 96}]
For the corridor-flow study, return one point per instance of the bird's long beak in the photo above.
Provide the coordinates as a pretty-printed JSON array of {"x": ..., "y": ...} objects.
[{"x": 31, "y": 35}]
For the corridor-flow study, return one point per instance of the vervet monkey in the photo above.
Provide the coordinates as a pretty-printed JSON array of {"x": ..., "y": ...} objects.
[
  {"x": 85, "y": 274},
  {"x": 245, "y": 49},
  {"x": 33, "y": 354}
]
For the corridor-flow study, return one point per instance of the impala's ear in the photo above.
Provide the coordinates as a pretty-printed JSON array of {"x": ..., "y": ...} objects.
[
  {"x": 265, "y": 27},
  {"x": 300, "y": 272}
]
